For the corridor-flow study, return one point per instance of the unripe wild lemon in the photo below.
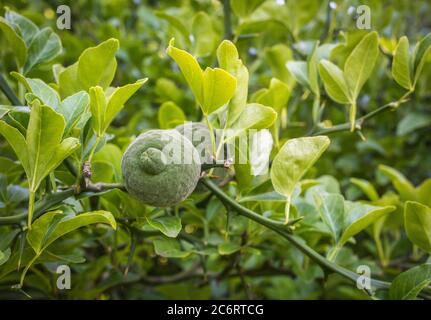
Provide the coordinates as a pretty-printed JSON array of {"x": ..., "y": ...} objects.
[{"x": 151, "y": 172}]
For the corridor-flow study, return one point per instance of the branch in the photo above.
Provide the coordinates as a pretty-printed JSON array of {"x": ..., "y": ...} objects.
[
  {"x": 227, "y": 20},
  {"x": 313, "y": 255},
  {"x": 4, "y": 86},
  {"x": 360, "y": 121}
]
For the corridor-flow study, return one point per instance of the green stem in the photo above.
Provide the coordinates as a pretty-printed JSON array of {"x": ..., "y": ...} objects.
[
  {"x": 4, "y": 86},
  {"x": 31, "y": 198},
  {"x": 360, "y": 121},
  {"x": 313, "y": 255},
  {"x": 93, "y": 148},
  {"x": 21, "y": 282},
  {"x": 211, "y": 129},
  {"x": 227, "y": 20}
]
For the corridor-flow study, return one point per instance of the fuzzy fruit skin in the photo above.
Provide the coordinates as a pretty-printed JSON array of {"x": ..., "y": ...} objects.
[{"x": 149, "y": 176}]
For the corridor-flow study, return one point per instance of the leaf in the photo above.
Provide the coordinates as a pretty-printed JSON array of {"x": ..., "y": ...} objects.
[
  {"x": 420, "y": 54},
  {"x": 359, "y": 216},
  {"x": 228, "y": 59},
  {"x": 170, "y": 115},
  {"x": 204, "y": 34},
  {"x": 264, "y": 197},
  {"x": 218, "y": 88},
  {"x": 405, "y": 189},
  {"x": 300, "y": 71},
  {"x": 15, "y": 41},
  {"x": 228, "y": 248},
  {"x": 177, "y": 25},
  {"x": 212, "y": 88},
  {"x": 401, "y": 64},
  {"x": 293, "y": 160},
  {"x": 170, "y": 226},
  {"x": 413, "y": 121},
  {"x": 104, "y": 110},
  {"x": 424, "y": 192},
  {"x": 169, "y": 248},
  {"x": 96, "y": 66},
  {"x": 4, "y": 256},
  {"x": 366, "y": 187},
  {"x": 72, "y": 108},
  {"x": 254, "y": 116},
  {"x": 417, "y": 221},
  {"x": 243, "y": 8},
  {"x": 407, "y": 285},
  {"x": 26, "y": 28},
  {"x": 17, "y": 141},
  {"x": 118, "y": 98},
  {"x": 334, "y": 82},
  {"x": 276, "y": 96},
  {"x": 46, "y": 150},
  {"x": 190, "y": 69},
  {"x": 331, "y": 210},
  {"x": 360, "y": 63},
  {"x": 44, "y": 47},
  {"x": 40, "y": 90}
]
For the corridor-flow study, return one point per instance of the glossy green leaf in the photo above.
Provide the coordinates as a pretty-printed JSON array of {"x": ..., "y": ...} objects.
[
  {"x": 243, "y": 8},
  {"x": 44, "y": 47},
  {"x": 212, "y": 88},
  {"x": 412, "y": 122},
  {"x": 360, "y": 63},
  {"x": 96, "y": 66},
  {"x": 190, "y": 68},
  {"x": 417, "y": 221},
  {"x": 118, "y": 98},
  {"x": 254, "y": 116},
  {"x": 218, "y": 88},
  {"x": 228, "y": 59},
  {"x": 420, "y": 54},
  {"x": 334, "y": 82},
  {"x": 40, "y": 90},
  {"x": 46, "y": 149},
  {"x": 72, "y": 108},
  {"x": 359, "y": 216},
  {"x": 400, "y": 183},
  {"x": 17, "y": 141},
  {"x": 228, "y": 248},
  {"x": 293, "y": 160},
  {"x": 401, "y": 64},
  {"x": 170, "y": 115},
  {"x": 176, "y": 25},
  {"x": 423, "y": 192},
  {"x": 276, "y": 96},
  {"x": 331, "y": 210},
  {"x": 407, "y": 285},
  {"x": 54, "y": 225},
  {"x": 15, "y": 41},
  {"x": 169, "y": 248},
  {"x": 366, "y": 187},
  {"x": 300, "y": 71},
  {"x": 4, "y": 256},
  {"x": 104, "y": 109},
  {"x": 264, "y": 197},
  {"x": 170, "y": 226},
  {"x": 25, "y": 27},
  {"x": 204, "y": 34}
]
